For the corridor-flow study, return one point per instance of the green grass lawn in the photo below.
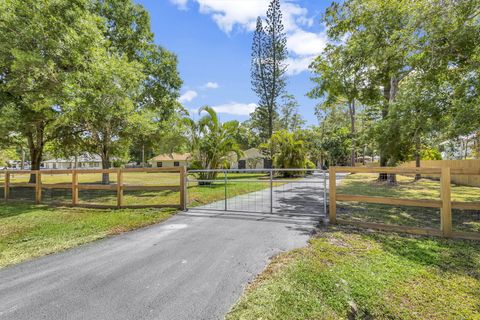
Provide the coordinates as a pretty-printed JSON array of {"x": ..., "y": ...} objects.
[
  {"x": 349, "y": 274},
  {"x": 28, "y": 231},
  {"x": 407, "y": 188}
]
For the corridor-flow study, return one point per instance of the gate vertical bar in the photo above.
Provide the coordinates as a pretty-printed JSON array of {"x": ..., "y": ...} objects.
[
  {"x": 225, "y": 183},
  {"x": 271, "y": 190},
  {"x": 183, "y": 188}
]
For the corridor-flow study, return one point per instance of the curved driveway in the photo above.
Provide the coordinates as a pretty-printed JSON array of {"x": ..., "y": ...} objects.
[{"x": 193, "y": 266}]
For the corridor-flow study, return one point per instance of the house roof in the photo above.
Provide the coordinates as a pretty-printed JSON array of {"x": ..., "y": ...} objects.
[{"x": 172, "y": 157}]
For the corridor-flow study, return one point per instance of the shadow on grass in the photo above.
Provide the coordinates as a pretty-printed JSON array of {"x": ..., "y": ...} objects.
[
  {"x": 8, "y": 210},
  {"x": 463, "y": 220},
  {"x": 389, "y": 214},
  {"x": 447, "y": 255}
]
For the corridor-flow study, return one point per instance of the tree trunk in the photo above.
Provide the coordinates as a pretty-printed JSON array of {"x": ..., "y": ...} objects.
[
  {"x": 418, "y": 176},
  {"x": 35, "y": 144},
  {"x": 105, "y": 165},
  {"x": 36, "y": 160},
  {"x": 390, "y": 94},
  {"x": 364, "y": 154},
  {"x": 351, "y": 108},
  {"x": 22, "y": 165},
  {"x": 477, "y": 144},
  {"x": 143, "y": 155},
  {"x": 383, "y": 163},
  {"x": 466, "y": 148},
  {"x": 383, "y": 153}
]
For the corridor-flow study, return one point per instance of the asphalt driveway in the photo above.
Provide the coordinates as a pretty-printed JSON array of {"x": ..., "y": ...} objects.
[{"x": 193, "y": 266}]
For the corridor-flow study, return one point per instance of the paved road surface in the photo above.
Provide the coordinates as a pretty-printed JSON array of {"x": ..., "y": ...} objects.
[{"x": 193, "y": 266}]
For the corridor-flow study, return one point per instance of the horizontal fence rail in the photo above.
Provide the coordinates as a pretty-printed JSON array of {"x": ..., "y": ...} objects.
[
  {"x": 119, "y": 186},
  {"x": 444, "y": 203}
]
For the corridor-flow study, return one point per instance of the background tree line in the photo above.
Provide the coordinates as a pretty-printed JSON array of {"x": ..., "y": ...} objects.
[
  {"x": 404, "y": 73},
  {"x": 82, "y": 76},
  {"x": 396, "y": 80}
]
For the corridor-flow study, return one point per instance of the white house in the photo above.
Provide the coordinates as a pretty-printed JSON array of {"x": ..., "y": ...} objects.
[
  {"x": 251, "y": 159},
  {"x": 171, "y": 160},
  {"x": 83, "y": 161}
]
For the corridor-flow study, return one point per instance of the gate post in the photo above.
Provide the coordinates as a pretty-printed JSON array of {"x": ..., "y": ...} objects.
[
  {"x": 332, "y": 214},
  {"x": 119, "y": 188},
  {"x": 324, "y": 192},
  {"x": 183, "y": 188},
  {"x": 446, "y": 210}
]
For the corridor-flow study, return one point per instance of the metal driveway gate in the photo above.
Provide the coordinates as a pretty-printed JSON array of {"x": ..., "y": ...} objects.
[{"x": 296, "y": 191}]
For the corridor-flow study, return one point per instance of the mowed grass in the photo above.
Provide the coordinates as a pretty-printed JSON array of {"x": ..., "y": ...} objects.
[
  {"x": 350, "y": 274},
  {"x": 407, "y": 188},
  {"x": 28, "y": 231}
]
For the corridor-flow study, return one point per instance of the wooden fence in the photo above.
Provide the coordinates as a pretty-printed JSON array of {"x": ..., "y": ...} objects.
[
  {"x": 445, "y": 204},
  {"x": 464, "y": 180},
  {"x": 119, "y": 186}
]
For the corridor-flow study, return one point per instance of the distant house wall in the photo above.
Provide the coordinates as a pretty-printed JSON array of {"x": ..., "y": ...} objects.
[
  {"x": 170, "y": 163},
  {"x": 251, "y": 159},
  {"x": 71, "y": 165}
]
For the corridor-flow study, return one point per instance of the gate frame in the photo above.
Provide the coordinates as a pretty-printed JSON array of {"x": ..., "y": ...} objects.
[{"x": 270, "y": 172}]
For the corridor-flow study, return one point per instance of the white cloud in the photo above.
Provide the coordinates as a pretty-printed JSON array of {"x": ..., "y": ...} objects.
[
  {"x": 297, "y": 65},
  {"x": 227, "y": 14},
  {"x": 210, "y": 85},
  {"x": 236, "y": 108},
  {"x": 306, "y": 43},
  {"x": 181, "y": 4},
  {"x": 242, "y": 14},
  {"x": 188, "y": 96}
]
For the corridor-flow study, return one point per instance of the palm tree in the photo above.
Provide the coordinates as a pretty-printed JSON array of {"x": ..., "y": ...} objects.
[
  {"x": 212, "y": 142},
  {"x": 288, "y": 151}
]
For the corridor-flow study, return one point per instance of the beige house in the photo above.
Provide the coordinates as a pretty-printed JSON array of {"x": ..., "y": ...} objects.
[
  {"x": 170, "y": 160},
  {"x": 251, "y": 159}
]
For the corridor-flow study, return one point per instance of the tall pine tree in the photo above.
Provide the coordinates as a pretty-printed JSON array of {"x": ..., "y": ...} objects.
[{"x": 269, "y": 53}]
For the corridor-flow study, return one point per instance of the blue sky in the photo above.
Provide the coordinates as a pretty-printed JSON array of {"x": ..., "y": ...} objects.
[{"x": 212, "y": 39}]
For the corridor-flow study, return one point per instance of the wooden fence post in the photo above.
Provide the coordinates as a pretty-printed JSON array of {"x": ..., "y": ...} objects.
[
  {"x": 332, "y": 213},
  {"x": 38, "y": 187},
  {"x": 119, "y": 188},
  {"x": 446, "y": 210},
  {"x": 183, "y": 187},
  {"x": 6, "y": 188},
  {"x": 74, "y": 187}
]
